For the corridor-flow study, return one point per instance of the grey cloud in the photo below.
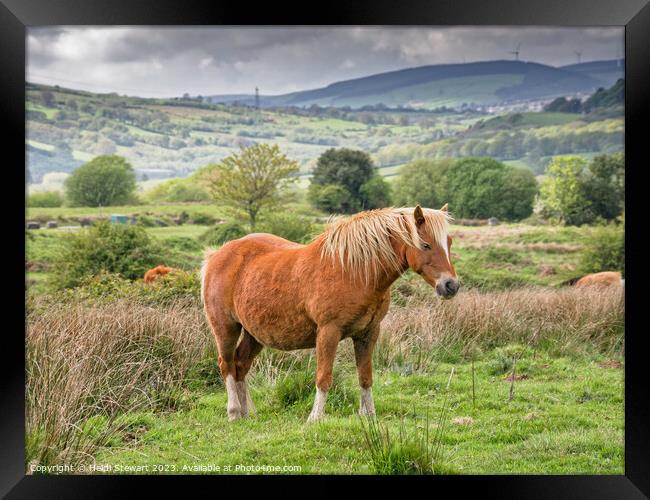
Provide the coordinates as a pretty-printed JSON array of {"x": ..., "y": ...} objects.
[{"x": 172, "y": 60}]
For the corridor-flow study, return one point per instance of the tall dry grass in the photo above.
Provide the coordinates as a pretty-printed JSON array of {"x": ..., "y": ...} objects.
[
  {"x": 562, "y": 320},
  {"x": 83, "y": 361},
  {"x": 101, "y": 360}
]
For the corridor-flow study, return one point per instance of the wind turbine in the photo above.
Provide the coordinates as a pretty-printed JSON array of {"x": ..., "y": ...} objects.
[
  {"x": 516, "y": 52},
  {"x": 579, "y": 54}
]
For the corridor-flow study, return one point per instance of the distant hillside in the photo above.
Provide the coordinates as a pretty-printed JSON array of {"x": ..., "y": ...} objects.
[
  {"x": 607, "y": 72},
  {"x": 479, "y": 83},
  {"x": 165, "y": 138}
]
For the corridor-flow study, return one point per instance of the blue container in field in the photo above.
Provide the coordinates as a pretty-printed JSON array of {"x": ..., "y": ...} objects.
[{"x": 119, "y": 219}]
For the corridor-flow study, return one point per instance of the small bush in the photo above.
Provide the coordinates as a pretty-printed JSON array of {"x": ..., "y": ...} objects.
[
  {"x": 108, "y": 287},
  {"x": 221, "y": 233},
  {"x": 145, "y": 221},
  {"x": 47, "y": 199},
  {"x": 418, "y": 452},
  {"x": 288, "y": 226},
  {"x": 501, "y": 363},
  {"x": 605, "y": 250},
  {"x": 295, "y": 388},
  {"x": 203, "y": 219},
  {"x": 114, "y": 248}
]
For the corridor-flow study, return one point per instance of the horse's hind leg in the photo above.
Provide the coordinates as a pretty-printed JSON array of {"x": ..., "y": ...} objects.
[
  {"x": 247, "y": 349},
  {"x": 226, "y": 334}
]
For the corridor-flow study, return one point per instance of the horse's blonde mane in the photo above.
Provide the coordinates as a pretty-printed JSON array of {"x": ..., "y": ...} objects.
[{"x": 361, "y": 243}]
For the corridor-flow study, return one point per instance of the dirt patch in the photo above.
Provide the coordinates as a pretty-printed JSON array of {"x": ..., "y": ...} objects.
[
  {"x": 612, "y": 363},
  {"x": 523, "y": 376},
  {"x": 546, "y": 271},
  {"x": 33, "y": 266},
  {"x": 463, "y": 421}
]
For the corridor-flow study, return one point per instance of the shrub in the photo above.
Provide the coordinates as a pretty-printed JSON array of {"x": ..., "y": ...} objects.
[
  {"x": 47, "y": 199},
  {"x": 203, "y": 219},
  {"x": 605, "y": 250},
  {"x": 221, "y": 233},
  {"x": 125, "y": 250},
  {"x": 287, "y": 226}
]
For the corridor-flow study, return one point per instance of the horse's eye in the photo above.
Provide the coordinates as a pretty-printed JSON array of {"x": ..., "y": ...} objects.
[{"x": 426, "y": 246}]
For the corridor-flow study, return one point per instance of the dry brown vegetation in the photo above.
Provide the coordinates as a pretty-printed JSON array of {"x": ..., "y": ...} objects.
[{"x": 108, "y": 359}]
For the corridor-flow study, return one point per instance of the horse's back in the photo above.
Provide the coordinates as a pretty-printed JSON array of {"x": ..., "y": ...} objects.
[
  {"x": 266, "y": 242},
  {"x": 224, "y": 266}
]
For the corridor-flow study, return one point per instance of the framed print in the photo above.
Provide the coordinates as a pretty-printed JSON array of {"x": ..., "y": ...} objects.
[{"x": 373, "y": 241}]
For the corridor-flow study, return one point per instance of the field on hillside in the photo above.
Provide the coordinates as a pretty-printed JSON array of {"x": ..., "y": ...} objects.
[
  {"x": 163, "y": 139},
  {"x": 125, "y": 376}
]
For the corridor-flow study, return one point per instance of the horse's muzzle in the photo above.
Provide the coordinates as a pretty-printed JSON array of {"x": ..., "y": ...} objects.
[{"x": 448, "y": 288}]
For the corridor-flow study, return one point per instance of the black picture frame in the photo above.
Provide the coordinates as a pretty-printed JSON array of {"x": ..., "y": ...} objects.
[{"x": 634, "y": 15}]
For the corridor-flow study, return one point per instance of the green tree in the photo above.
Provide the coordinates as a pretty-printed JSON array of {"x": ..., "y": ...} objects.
[
  {"x": 604, "y": 250},
  {"x": 519, "y": 193},
  {"x": 253, "y": 180},
  {"x": 579, "y": 193},
  {"x": 330, "y": 198},
  {"x": 561, "y": 192},
  {"x": 347, "y": 168},
  {"x": 375, "y": 193},
  {"x": 605, "y": 185},
  {"x": 483, "y": 187},
  {"x": 422, "y": 182},
  {"x": 103, "y": 181}
]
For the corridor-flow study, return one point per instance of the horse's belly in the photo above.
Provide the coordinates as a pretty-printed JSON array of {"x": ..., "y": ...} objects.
[
  {"x": 276, "y": 320},
  {"x": 286, "y": 333}
]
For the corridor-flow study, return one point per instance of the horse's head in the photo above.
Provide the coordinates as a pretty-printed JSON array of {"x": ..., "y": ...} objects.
[{"x": 433, "y": 260}]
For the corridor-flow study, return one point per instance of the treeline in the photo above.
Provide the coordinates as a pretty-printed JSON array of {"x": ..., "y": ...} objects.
[
  {"x": 574, "y": 191},
  {"x": 602, "y": 98},
  {"x": 507, "y": 146}
]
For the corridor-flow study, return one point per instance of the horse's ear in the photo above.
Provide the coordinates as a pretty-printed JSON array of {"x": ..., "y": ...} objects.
[
  {"x": 419, "y": 216},
  {"x": 444, "y": 208}
]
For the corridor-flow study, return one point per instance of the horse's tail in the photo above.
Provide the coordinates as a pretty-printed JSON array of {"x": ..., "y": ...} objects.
[
  {"x": 207, "y": 253},
  {"x": 570, "y": 282}
]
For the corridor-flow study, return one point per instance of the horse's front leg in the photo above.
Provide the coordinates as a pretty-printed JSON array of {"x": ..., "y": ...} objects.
[
  {"x": 327, "y": 340},
  {"x": 363, "y": 348}
]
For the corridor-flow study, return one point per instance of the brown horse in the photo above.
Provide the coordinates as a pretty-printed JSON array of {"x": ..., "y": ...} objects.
[
  {"x": 276, "y": 293},
  {"x": 606, "y": 278},
  {"x": 160, "y": 270}
]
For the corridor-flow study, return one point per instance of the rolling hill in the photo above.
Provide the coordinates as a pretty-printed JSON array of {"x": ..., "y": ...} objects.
[
  {"x": 608, "y": 72},
  {"x": 478, "y": 83}
]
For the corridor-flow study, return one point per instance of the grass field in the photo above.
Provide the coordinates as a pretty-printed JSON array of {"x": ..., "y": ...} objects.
[{"x": 566, "y": 418}]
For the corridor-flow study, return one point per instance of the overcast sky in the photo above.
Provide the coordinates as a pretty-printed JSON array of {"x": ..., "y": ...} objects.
[{"x": 169, "y": 61}]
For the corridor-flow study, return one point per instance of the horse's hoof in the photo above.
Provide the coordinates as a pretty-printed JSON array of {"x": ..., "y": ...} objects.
[
  {"x": 314, "y": 418},
  {"x": 234, "y": 414}
]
